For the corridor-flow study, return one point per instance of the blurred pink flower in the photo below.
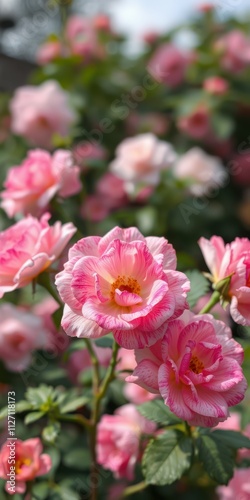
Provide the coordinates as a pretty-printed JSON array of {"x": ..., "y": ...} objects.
[
  {"x": 30, "y": 186},
  {"x": 86, "y": 152},
  {"x": 21, "y": 333},
  {"x": 57, "y": 340},
  {"x": 80, "y": 360},
  {"x": 49, "y": 51},
  {"x": 196, "y": 124},
  {"x": 136, "y": 394},
  {"x": 216, "y": 85},
  {"x": 238, "y": 488},
  {"x": 234, "y": 48},
  {"x": 140, "y": 160},
  {"x": 27, "y": 248},
  {"x": 101, "y": 22},
  {"x": 39, "y": 112},
  {"x": 81, "y": 37},
  {"x": 154, "y": 122},
  {"x": 94, "y": 208},
  {"x": 104, "y": 276},
  {"x": 27, "y": 464},
  {"x": 241, "y": 168},
  {"x": 168, "y": 65},
  {"x": 201, "y": 172},
  {"x": 196, "y": 369},
  {"x": 118, "y": 440},
  {"x": 226, "y": 260}
]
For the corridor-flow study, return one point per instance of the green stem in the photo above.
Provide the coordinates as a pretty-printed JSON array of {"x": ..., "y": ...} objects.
[
  {"x": 77, "y": 419},
  {"x": 95, "y": 363},
  {"x": 98, "y": 395},
  {"x": 211, "y": 303},
  {"x": 44, "y": 280},
  {"x": 135, "y": 488}
]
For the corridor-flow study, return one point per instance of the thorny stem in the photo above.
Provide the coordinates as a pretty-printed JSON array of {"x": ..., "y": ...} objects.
[{"x": 130, "y": 490}]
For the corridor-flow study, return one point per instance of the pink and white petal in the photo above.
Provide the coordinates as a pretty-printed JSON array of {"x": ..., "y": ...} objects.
[
  {"x": 179, "y": 285},
  {"x": 171, "y": 391},
  {"x": 127, "y": 299},
  {"x": 77, "y": 326},
  {"x": 196, "y": 331},
  {"x": 169, "y": 347},
  {"x": 153, "y": 353},
  {"x": 236, "y": 394},
  {"x": 108, "y": 315},
  {"x": 115, "y": 234},
  {"x": 83, "y": 278},
  {"x": 145, "y": 375},
  {"x": 213, "y": 251},
  {"x": 228, "y": 374},
  {"x": 232, "y": 349},
  {"x": 85, "y": 247},
  {"x": 63, "y": 283},
  {"x": 205, "y": 402},
  {"x": 240, "y": 307},
  {"x": 162, "y": 251},
  {"x": 45, "y": 464},
  {"x": 158, "y": 316},
  {"x": 137, "y": 338},
  {"x": 158, "y": 292}
]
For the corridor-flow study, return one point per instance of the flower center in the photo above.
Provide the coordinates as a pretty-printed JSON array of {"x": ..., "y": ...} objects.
[
  {"x": 196, "y": 365},
  {"x": 20, "y": 463},
  {"x": 124, "y": 283}
]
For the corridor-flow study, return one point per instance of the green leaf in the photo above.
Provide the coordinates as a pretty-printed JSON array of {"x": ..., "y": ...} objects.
[
  {"x": 3, "y": 412},
  {"x": 72, "y": 405},
  {"x": 51, "y": 432},
  {"x": 158, "y": 412},
  {"x": 41, "y": 490},
  {"x": 217, "y": 458},
  {"x": 222, "y": 125},
  {"x": 23, "y": 406},
  {"x": 32, "y": 417},
  {"x": 78, "y": 458},
  {"x": 106, "y": 341},
  {"x": 38, "y": 396},
  {"x": 167, "y": 457},
  {"x": 199, "y": 286},
  {"x": 233, "y": 439}
]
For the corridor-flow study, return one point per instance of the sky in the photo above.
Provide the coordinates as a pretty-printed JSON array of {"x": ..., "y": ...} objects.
[{"x": 135, "y": 17}]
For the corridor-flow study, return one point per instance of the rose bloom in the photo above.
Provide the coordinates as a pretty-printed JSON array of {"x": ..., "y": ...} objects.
[
  {"x": 216, "y": 85},
  {"x": 231, "y": 259},
  {"x": 30, "y": 186},
  {"x": 196, "y": 369},
  {"x": 235, "y": 51},
  {"x": 238, "y": 487},
  {"x": 28, "y": 463},
  {"x": 27, "y": 248},
  {"x": 49, "y": 51},
  {"x": 118, "y": 440},
  {"x": 21, "y": 333},
  {"x": 123, "y": 283},
  {"x": 81, "y": 38},
  {"x": 86, "y": 153},
  {"x": 201, "y": 171},
  {"x": 168, "y": 65},
  {"x": 94, "y": 208},
  {"x": 196, "y": 124},
  {"x": 40, "y": 112},
  {"x": 141, "y": 159}
]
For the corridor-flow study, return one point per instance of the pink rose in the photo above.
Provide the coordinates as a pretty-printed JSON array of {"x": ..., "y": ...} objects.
[
  {"x": 94, "y": 208},
  {"x": 82, "y": 38},
  {"x": 21, "y": 333},
  {"x": 196, "y": 124},
  {"x": 168, "y": 65},
  {"x": 226, "y": 260},
  {"x": 201, "y": 171},
  {"x": 27, "y": 248},
  {"x": 29, "y": 463},
  {"x": 118, "y": 440},
  {"x": 196, "y": 369},
  {"x": 40, "y": 112},
  {"x": 101, "y": 22},
  {"x": 85, "y": 153},
  {"x": 237, "y": 488},
  {"x": 123, "y": 283},
  {"x": 141, "y": 159},
  {"x": 80, "y": 361},
  {"x": 111, "y": 189},
  {"x": 49, "y": 51},
  {"x": 30, "y": 186},
  {"x": 216, "y": 85},
  {"x": 235, "y": 51}
]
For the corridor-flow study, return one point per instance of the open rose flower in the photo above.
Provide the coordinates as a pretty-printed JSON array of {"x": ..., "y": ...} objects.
[
  {"x": 22, "y": 461},
  {"x": 28, "y": 247},
  {"x": 40, "y": 112},
  {"x": 118, "y": 440},
  {"x": 234, "y": 48},
  {"x": 140, "y": 160},
  {"x": 197, "y": 123},
  {"x": 123, "y": 283},
  {"x": 196, "y": 368},
  {"x": 226, "y": 260},
  {"x": 21, "y": 332},
  {"x": 238, "y": 487},
  {"x": 168, "y": 65},
  {"x": 201, "y": 171},
  {"x": 30, "y": 186}
]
